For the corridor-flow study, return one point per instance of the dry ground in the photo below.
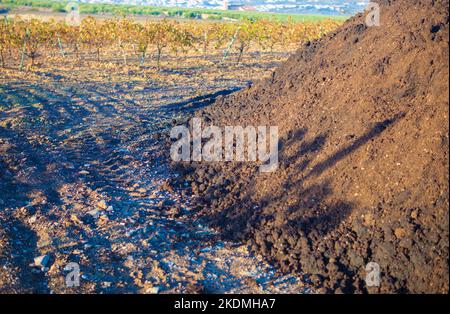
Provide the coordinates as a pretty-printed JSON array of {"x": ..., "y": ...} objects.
[{"x": 83, "y": 179}]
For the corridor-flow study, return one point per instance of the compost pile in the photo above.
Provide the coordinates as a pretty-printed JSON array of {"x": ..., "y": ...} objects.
[{"x": 363, "y": 161}]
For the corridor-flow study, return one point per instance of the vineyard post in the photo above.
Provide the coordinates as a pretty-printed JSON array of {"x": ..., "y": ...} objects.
[
  {"x": 61, "y": 48},
  {"x": 225, "y": 55},
  {"x": 142, "y": 58},
  {"x": 124, "y": 54},
  {"x": 205, "y": 43},
  {"x": 158, "y": 57},
  {"x": 122, "y": 49},
  {"x": 2, "y": 63},
  {"x": 22, "y": 59},
  {"x": 10, "y": 46}
]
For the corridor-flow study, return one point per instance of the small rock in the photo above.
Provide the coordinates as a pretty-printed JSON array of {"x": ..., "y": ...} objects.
[
  {"x": 41, "y": 261},
  {"x": 153, "y": 290},
  {"x": 103, "y": 220},
  {"x": 75, "y": 219},
  {"x": 166, "y": 187},
  {"x": 195, "y": 288},
  {"x": 369, "y": 220},
  {"x": 173, "y": 211},
  {"x": 316, "y": 279},
  {"x": 400, "y": 233},
  {"x": 94, "y": 213},
  {"x": 102, "y": 204}
]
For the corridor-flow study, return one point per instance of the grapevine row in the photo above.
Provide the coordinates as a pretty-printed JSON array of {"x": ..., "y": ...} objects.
[{"x": 32, "y": 39}]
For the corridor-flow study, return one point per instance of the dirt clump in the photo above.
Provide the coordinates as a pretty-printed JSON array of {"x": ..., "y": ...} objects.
[{"x": 363, "y": 160}]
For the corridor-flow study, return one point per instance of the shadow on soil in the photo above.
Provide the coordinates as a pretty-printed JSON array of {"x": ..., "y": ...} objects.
[
  {"x": 30, "y": 168},
  {"x": 47, "y": 142},
  {"x": 305, "y": 207}
]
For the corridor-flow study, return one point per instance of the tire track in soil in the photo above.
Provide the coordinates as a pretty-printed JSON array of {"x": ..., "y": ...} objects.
[{"x": 85, "y": 178}]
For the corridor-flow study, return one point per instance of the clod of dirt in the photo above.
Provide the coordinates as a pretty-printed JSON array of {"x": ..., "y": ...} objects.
[
  {"x": 363, "y": 172},
  {"x": 41, "y": 261},
  {"x": 102, "y": 205}
]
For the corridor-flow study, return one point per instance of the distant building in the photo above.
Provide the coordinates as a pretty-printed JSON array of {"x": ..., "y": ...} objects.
[
  {"x": 237, "y": 6},
  {"x": 225, "y": 5}
]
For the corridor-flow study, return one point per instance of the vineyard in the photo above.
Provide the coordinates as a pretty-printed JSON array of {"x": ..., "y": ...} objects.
[{"x": 28, "y": 43}]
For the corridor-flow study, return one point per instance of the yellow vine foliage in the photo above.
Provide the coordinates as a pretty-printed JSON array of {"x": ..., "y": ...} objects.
[{"x": 94, "y": 35}]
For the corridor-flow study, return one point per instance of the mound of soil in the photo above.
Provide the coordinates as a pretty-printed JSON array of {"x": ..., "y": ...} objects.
[{"x": 363, "y": 172}]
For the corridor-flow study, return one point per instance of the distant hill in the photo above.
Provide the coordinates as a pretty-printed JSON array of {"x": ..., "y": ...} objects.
[
  {"x": 327, "y": 7},
  {"x": 100, "y": 7}
]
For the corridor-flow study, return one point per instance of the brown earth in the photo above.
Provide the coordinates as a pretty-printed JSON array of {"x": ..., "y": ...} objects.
[
  {"x": 363, "y": 173},
  {"x": 83, "y": 179}
]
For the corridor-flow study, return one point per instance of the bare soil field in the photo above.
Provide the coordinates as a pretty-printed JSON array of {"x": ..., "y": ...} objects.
[{"x": 84, "y": 179}]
